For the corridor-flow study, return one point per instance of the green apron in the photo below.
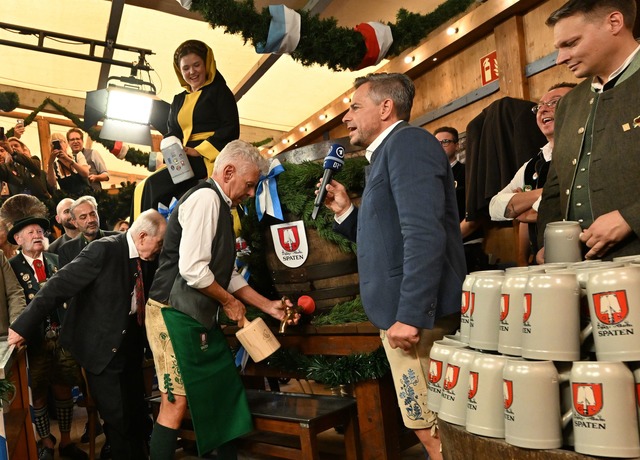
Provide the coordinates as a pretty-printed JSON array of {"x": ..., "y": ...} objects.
[{"x": 216, "y": 397}]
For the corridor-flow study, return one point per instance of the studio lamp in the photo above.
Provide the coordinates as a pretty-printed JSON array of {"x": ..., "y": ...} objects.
[{"x": 129, "y": 108}]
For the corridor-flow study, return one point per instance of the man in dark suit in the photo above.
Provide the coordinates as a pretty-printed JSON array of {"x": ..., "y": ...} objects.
[
  {"x": 84, "y": 215},
  {"x": 103, "y": 328},
  {"x": 64, "y": 218},
  {"x": 472, "y": 234},
  {"x": 52, "y": 368},
  {"x": 410, "y": 255}
]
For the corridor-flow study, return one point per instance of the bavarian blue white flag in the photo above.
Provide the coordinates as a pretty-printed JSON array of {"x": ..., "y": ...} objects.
[
  {"x": 284, "y": 31},
  {"x": 267, "y": 199}
]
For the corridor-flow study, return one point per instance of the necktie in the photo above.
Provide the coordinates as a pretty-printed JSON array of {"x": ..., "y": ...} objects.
[
  {"x": 140, "y": 301},
  {"x": 41, "y": 275}
]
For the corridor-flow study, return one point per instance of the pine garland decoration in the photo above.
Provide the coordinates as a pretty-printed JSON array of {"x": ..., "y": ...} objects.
[
  {"x": 7, "y": 391},
  {"x": 8, "y": 101},
  {"x": 332, "y": 370},
  {"x": 342, "y": 313},
  {"x": 322, "y": 41}
]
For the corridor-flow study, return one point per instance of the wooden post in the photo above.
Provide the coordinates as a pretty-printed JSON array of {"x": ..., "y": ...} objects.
[
  {"x": 510, "y": 49},
  {"x": 378, "y": 419},
  {"x": 44, "y": 135}
]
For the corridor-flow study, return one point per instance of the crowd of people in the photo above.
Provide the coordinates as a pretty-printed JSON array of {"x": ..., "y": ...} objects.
[{"x": 94, "y": 300}]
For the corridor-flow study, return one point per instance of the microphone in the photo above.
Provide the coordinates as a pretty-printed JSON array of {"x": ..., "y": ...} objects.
[
  {"x": 304, "y": 305},
  {"x": 333, "y": 162}
]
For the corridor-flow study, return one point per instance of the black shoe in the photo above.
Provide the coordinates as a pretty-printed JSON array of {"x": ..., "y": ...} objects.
[
  {"x": 46, "y": 453},
  {"x": 72, "y": 452},
  {"x": 105, "y": 452},
  {"x": 85, "y": 436}
]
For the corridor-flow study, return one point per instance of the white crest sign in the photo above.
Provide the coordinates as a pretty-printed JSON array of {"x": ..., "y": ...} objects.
[{"x": 290, "y": 243}]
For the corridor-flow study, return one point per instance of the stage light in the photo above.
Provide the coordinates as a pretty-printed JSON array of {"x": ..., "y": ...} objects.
[
  {"x": 303, "y": 129},
  {"x": 409, "y": 59},
  {"x": 322, "y": 117},
  {"x": 452, "y": 30},
  {"x": 129, "y": 108},
  {"x": 127, "y": 105}
]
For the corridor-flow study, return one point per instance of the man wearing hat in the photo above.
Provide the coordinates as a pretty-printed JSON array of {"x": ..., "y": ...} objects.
[{"x": 50, "y": 365}]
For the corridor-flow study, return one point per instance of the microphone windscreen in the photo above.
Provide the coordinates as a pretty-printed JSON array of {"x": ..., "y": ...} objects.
[
  {"x": 307, "y": 304},
  {"x": 335, "y": 158}
]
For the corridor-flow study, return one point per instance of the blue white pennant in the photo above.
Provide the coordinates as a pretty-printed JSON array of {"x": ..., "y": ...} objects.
[
  {"x": 284, "y": 31},
  {"x": 267, "y": 199}
]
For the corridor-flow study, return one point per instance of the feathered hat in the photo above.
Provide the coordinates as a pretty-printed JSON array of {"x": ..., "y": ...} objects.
[{"x": 21, "y": 210}]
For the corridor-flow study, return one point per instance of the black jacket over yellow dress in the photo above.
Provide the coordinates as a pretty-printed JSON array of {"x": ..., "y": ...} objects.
[{"x": 206, "y": 119}]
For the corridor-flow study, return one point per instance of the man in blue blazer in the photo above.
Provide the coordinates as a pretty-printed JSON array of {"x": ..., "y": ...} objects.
[{"x": 410, "y": 255}]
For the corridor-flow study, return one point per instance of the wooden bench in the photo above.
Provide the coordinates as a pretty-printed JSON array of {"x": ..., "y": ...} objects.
[{"x": 302, "y": 416}]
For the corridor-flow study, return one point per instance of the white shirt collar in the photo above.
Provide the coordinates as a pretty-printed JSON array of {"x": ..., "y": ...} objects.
[
  {"x": 133, "y": 251},
  {"x": 597, "y": 86},
  {"x": 224, "y": 195},
  {"x": 378, "y": 140},
  {"x": 30, "y": 260},
  {"x": 547, "y": 151}
]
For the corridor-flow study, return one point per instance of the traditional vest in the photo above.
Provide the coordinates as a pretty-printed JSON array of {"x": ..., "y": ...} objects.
[
  {"x": 169, "y": 287},
  {"x": 535, "y": 176}
]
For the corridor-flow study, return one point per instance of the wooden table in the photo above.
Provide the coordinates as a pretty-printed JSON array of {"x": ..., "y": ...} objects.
[
  {"x": 382, "y": 435},
  {"x": 21, "y": 442},
  {"x": 459, "y": 444}
]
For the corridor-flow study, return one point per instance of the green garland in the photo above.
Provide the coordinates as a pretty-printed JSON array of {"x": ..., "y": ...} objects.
[
  {"x": 332, "y": 370},
  {"x": 9, "y": 101},
  {"x": 7, "y": 391},
  {"x": 322, "y": 41},
  {"x": 342, "y": 313}
]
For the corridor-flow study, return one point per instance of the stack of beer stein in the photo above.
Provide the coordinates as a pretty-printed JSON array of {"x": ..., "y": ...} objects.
[{"x": 546, "y": 357}]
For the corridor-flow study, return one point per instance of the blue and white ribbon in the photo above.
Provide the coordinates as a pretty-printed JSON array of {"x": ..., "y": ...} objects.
[
  {"x": 267, "y": 199},
  {"x": 242, "y": 357},
  {"x": 284, "y": 31},
  {"x": 166, "y": 212}
]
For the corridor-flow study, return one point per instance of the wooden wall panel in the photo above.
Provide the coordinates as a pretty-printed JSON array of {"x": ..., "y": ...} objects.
[
  {"x": 509, "y": 38},
  {"x": 539, "y": 37},
  {"x": 461, "y": 118},
  {"x": 540, "y": 83},
  {"x": 452, "y": 79}
]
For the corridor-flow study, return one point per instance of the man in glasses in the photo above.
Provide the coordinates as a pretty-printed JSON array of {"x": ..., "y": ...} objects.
[
  {"x": 472, "y": 235},
  {"x": 593, "y": 178},
  {"x": 97, "y": 169},
  {"x": 521, "y": 197}
]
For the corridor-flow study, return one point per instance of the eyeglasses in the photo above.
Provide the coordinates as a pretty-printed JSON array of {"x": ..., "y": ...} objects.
[
  {"x": 551, "y": 104},
  {"x": 447, "y": 141}
]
